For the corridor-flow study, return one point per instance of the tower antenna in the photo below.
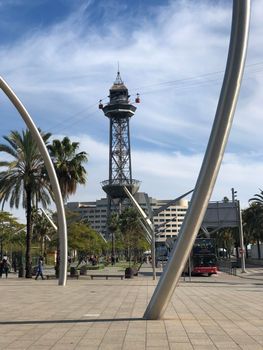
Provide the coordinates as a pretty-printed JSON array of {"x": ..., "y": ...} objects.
[{"x": 118, "y": 80}]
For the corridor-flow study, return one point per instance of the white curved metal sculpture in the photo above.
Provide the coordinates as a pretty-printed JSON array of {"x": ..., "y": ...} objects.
[
  {"x": 62, "y": 227},
  {"x": 211, "y": 163}
]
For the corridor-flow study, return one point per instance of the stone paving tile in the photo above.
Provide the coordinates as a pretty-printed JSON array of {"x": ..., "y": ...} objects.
[
  {"x": 63, "y": 347},
  {"x": 204, "y": 347},
  {"x": 181, "y": 346},
  {"x": 133, "y": 345},
  {"x": 158, "y": 347},
  {"x": 69, "y": 340},
  {"x": 219, "y": 313},
  {"x": 87, "y": 347},
  {"x": 110, "y": 346},
  {"x": 134, "y": 337},
  {"x": 201, "y": 341},
  {"x": 251, "y": 347},
  {"x": 20, "y": 344},
  {"x": 45, "y": 342},
  {"x": 227, "y": 346},
  {"x": 151, "y": 342},
  {"x": 38, "y": 347},
  {"x": 114, "y": 339},
  {"x": 90, "y": 342},
  {"x": 258, "y": 339},
  {"x": 178, "y": 339}
]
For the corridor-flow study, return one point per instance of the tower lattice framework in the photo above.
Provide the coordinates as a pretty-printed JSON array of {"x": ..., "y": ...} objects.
[{"x": 119, "y": 110}]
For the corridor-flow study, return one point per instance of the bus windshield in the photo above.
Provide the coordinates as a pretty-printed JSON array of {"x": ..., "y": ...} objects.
[{"x": 209, "y": 260}]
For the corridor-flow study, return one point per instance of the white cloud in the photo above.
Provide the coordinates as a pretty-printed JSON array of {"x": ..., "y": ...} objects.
[
  {"x": 66, "y": 69},
  {"x": 168, "y": 175}
]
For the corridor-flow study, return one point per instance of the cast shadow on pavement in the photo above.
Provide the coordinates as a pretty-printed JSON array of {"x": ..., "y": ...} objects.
[{"x": 24, "y": 322}]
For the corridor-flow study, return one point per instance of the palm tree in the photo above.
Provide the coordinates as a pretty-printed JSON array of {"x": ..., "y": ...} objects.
[
  {"x": 250, "y": 219},
  {"x": 253, "y": 221},
  {"x": 257, "y": 204},
  {"x": 225, "y": 238},
  {"x": 24, "y": 180},
  {"x": 69, "y": 168},
  {"x": 68, "y": 165},
  {"x": 257, "y": 199}
]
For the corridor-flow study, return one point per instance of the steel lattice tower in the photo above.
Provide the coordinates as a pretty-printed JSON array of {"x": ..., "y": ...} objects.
[{"x": 119, "y": 110}]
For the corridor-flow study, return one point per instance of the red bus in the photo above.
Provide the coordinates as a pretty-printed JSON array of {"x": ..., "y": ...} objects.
[{"x": 203, "y": 257}]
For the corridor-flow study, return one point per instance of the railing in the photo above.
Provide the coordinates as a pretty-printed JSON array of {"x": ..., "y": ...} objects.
[
  {"x": 117, "y": 182},
  {"x": 228, "y": 266}
]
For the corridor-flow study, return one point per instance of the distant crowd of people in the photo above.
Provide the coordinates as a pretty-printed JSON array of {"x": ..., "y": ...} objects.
[
  {"x": 5, "y": 267},
  {"x": 93, "y": 260}
]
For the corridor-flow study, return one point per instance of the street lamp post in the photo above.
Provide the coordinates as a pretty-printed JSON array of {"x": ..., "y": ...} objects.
[
  {"x": 240, "y": 229},
  {"x": 113, "y": 260},
  {"x": 241, "y": 237}
]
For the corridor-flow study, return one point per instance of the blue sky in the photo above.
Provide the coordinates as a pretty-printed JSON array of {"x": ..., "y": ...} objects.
[{"x": 61, "y": 58}]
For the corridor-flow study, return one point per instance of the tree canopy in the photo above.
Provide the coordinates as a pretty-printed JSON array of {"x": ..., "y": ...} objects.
[{"x": 69, "y": 165}]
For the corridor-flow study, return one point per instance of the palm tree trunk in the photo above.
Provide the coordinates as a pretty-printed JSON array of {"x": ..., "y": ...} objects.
[
  {"x": 42, "y": 245},
  {"x": 237, "y": 254},
  {"x": 57, "y": 265},
  {"x": 28, "y": 234}
]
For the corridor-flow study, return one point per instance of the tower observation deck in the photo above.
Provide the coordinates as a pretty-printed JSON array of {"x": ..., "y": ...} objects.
[{"x": 119, "y": 110}]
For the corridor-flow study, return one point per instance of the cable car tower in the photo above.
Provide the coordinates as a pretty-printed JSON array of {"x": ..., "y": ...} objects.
[{"x": 119, "y": 110}]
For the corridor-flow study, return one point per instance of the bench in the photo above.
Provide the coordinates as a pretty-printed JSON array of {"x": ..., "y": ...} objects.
[
  {"x": 48, "y": 277},
  {"x": 106, "y": 276}
]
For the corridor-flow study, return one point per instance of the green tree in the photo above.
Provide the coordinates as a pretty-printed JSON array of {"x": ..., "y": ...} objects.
[
  {"x": 10, "y": 233},
  {"x": 225, "y": 238},
  {"x": 257, "y": 208},
  {"x": 257, "y": 199},
  {"x": 253, "y": 223},
  {"x": 24, "y": 180},
  {"x": 248, "y": 221},
  {"x": 83, "y": 239},
  {"x": 43, "y": 231},
  {"x": 225, "y": 200},
  {"x": 132, "y": 233},
  {"x": 69, "y": 165}
]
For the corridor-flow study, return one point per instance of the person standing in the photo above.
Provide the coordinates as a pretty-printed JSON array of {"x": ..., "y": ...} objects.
[{"x": 40, "y": 268}]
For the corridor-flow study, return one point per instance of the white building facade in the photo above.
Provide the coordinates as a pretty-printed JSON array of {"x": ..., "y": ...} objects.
[{"x": 167, "y": 222}]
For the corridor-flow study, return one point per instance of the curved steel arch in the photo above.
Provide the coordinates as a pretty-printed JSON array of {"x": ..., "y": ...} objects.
[
  {"x": 211, "y": 163},
  {"x": 62, "y": 228}
]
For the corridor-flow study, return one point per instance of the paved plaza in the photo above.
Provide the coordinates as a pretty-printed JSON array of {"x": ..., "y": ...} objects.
[{"x": 221, "y": 312}]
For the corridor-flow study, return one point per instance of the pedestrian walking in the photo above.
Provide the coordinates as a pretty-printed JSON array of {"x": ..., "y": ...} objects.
[
  {"x": 5, "y": 266},
  {"x": 40, "y": 268}
]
